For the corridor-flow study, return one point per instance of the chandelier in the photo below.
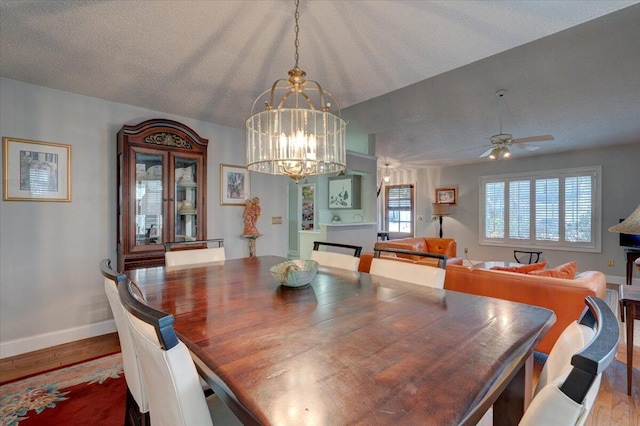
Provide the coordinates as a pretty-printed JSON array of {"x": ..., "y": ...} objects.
[{"x": 291, "y": 137}]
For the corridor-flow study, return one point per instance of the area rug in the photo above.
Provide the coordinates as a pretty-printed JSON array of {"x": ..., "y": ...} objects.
[{"x": 92, "y": 392}]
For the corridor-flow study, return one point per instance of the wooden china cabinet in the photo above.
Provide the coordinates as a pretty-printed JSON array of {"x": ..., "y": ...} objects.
[{"x": 162, "y": 176}]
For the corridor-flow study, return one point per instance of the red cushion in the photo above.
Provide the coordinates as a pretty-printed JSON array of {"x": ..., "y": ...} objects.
[
  {"x": 567, "y": 270},
  {"x": 524, "y": 269}
]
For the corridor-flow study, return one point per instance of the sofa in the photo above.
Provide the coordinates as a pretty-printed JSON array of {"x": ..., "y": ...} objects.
[
  {"x": 445, "y": 246},
  {"x": 565, "y": 297}
]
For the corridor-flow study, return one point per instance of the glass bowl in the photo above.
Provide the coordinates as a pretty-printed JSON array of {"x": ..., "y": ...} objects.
[{"x": 295, "y": 273}]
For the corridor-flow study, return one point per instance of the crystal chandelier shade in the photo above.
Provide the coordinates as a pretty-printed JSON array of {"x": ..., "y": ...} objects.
[{"x": 291, "y": 137}]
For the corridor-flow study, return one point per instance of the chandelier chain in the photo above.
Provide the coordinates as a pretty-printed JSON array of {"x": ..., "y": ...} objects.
[{"x": 297, "y": 29}]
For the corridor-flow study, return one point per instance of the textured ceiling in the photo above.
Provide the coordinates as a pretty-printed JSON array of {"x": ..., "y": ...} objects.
[{"x": 419, "y": 75}]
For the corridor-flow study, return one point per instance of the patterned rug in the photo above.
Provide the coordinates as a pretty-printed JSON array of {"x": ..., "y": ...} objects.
[{"x": 73, "y": 395}]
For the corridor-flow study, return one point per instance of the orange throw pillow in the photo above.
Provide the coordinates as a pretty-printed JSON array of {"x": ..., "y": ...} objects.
[
  {"x": 567, "y": 270},
  {"x": 524, "y": 269}
]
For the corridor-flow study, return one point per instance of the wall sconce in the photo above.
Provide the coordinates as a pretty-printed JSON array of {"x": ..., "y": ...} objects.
[
  {"x": 439, "y": 210},
  {"x": 385, "y": 178}
]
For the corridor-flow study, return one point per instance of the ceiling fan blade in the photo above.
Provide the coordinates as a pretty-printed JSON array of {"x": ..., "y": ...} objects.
[
  {"x": 541, "y": 138},
  {"x": 526, "y": 147},
  {"x": 486, "y": 153}
]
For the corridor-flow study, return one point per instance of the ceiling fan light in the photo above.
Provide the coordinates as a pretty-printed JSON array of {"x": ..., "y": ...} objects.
[
  {"x": 506, "y": 153},
  {"x": 494, "y": 153}
]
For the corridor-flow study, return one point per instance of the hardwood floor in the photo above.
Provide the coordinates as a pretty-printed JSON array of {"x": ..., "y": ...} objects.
[
  {"x": 55, "y": 357},
  {"x": 612, "y": 407}
]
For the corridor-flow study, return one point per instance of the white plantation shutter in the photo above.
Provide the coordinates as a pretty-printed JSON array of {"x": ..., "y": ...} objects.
[
  {"x": 494, "y": 210},
  {"x": 399, "y": 210},
  {"x": 556, "y": 209},
  {"x": 578, "y": 208},
  {"x": 547, "y": 209},
  {"x": 519, "y": 209}
]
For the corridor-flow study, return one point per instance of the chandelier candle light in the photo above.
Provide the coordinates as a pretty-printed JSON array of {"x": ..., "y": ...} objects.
[{"x": 291, "y": 137}]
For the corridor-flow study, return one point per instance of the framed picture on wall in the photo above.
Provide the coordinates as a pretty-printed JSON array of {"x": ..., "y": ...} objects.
[
  {"x": 344, "y": 192},
  {"x": 36, "y": 171},
  {"x": 235, "y": 185},
  {"x": 447, "y": 195}
]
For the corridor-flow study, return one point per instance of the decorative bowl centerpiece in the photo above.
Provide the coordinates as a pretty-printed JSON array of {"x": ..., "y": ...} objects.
[{"x": 295, "y": 273}]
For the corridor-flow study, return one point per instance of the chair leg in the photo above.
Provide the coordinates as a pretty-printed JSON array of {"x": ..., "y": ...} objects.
[{"x": 132, "y": 414}]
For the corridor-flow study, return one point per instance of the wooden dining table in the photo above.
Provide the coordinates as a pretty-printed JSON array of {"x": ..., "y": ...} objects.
[{"x": 350, "y": 348}]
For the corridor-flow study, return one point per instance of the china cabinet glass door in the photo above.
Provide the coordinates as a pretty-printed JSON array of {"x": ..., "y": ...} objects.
[
  {"x": 149, "y": 197},
  {"x": 186, "y": 199}
]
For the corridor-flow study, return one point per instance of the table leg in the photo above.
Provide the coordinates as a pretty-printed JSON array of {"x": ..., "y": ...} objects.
[
  {"x": 514, "y": 400},
  {"x": 631, "y": 314}
]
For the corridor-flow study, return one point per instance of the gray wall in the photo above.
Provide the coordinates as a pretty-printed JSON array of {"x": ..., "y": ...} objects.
[
  {"x": 50, "y": 286},
  {"x": 356, "y": 162},
  {"x": 620, "y": 196}
]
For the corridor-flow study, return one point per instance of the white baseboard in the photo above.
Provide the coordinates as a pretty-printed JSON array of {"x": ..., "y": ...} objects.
[
  {"x": 41, "y": 341},
  {"x": 613, "y": 279}
]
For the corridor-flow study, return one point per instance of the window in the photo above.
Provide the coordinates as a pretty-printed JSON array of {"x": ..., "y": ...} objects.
[
  {"x": 558, "y": 209},
  {"x": 399, "y": 210}
]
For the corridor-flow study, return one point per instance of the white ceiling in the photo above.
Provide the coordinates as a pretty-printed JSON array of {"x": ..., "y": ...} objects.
[{"x": 419, "y": 75}]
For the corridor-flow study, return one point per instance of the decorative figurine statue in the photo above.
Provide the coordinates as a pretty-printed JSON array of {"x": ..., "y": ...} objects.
[{"x": 250, "y": 215}]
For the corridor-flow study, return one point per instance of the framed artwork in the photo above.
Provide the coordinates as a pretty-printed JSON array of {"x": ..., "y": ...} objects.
[
  {"x": 36, "y": 171},
  {"x": 447, "y": 195},
  {"x": 344, "y": 192},
  {"x": 235, "y": 186}
]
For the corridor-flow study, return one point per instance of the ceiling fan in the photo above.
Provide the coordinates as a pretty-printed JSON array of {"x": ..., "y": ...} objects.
[{"x": 501, "y": 142}]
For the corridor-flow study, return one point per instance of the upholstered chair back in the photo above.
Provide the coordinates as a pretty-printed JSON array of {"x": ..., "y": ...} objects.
[
  {"x": 130, "y": 362},
  {"x": 195, "y": 256},
  {"x": 336, "y": 260},
  {"x": 570, "y": 379},
  {"x": 410, "y": 272}
]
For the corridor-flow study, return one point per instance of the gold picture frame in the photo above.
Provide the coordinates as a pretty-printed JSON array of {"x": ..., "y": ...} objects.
[
  {"x": 235, "y": 185},
  {"x": 35, "y": 170},
  {"x": 447, "y": 195}
]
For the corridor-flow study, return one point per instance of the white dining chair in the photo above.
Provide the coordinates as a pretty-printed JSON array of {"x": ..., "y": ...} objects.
[
  {"x": 168, "y": 371},
  {"x": 409, "y": 272},
  {"x": 336, "y": 259},
  {"x": 570, "y": 379},
  {"x": 137, "y": 406},
  {"x": 187, "y": 253}
]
